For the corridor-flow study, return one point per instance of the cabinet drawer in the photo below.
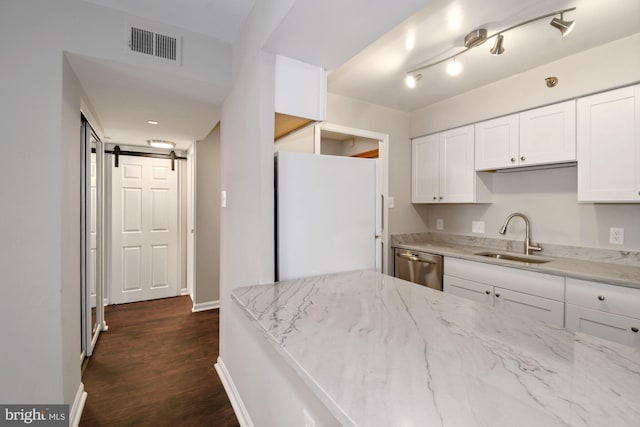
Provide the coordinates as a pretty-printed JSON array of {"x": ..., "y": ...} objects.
[
  {"x": 604, "y": 297},
  {"x": 529, "y": 282}
]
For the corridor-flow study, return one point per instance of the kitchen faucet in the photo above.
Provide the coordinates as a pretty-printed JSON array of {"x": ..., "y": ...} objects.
[{"x": 528, "y": 246}]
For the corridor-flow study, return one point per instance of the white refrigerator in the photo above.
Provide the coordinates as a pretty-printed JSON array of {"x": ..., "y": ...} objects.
[{"x": 328, "y": 215}]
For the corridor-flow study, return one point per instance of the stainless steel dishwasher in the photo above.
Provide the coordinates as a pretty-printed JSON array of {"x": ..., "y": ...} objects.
[{"x": 419, "y": 267}]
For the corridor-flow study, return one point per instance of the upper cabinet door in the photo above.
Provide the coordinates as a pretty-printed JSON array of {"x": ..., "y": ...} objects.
[
  {"x": 548, "y": 134},
  {"x": 457, "y": 174},
  {"x": 497, "y": 143},
  {"x": 609, "y": 146},
  {"x": 425, "y": 169}
]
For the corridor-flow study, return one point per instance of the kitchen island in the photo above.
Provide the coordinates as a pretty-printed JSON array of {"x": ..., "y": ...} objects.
[{"x": 380, "y": 351}]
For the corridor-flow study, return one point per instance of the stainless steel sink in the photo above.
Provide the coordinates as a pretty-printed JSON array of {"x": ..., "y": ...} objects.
[{"x": 513, "y": 257}]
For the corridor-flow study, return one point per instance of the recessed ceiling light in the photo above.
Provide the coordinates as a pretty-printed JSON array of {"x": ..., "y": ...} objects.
[
  {"x": 152, "y": 122},
  {"x": 160, "y": 143},
  {"x": 454, "y": 68}
]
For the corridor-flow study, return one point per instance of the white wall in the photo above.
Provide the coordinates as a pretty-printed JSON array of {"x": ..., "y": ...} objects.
[
  {"x": 403, "y": 218},
  {"x": 207, "y": 274},
  {"x": 549, "y": 197},
  {"x": 35, "y": 254},
  {"x": 40, "y": 101},
  {"x": 300, "y": 141}
]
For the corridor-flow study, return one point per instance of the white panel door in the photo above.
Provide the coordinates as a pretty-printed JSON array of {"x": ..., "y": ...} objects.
[
  {"x": 326, "y": 214},
  {"x": 144, "y": 230}
]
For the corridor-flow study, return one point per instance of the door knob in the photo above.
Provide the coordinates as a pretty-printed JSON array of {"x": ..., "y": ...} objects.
[
  {"x": 601, "y": 297},
  {"x": 523, "y": 158},
  {"x": 513, "y": 159},
  {"x": 487, "y": 292},
  {"x": 497, "y": 295},
  {"x": 634, "y": 329}
]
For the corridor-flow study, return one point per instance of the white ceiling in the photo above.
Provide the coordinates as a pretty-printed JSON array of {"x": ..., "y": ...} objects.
[
  {"x": 125, "y": 97},
  {"x": 377, "y": 74},
  {"x": 220, "y": 19}
]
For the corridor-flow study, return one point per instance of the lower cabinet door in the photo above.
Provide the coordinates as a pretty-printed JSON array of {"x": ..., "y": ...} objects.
[
  {"x": 612, "y": 327},
  {"x": 468, "y": 289},
  {"x": 544, "y": 309}
]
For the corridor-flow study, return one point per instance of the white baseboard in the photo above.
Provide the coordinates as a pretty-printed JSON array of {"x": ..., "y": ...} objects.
[
  {"x": 184, "y": 291},
  {"x": 209, "y": 305},
  {"x": 232, "y": 392},
  {"x": 75, "y": 412}
]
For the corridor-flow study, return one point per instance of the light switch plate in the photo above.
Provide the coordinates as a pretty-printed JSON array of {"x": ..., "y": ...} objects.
[
  {"x": 477, "y": 227},
  {"x": 390, "y": 202},
  {"x": 439, "y": 224},
  {"x": 616, "y": 236},
  {"x": 223, "y": 198}
]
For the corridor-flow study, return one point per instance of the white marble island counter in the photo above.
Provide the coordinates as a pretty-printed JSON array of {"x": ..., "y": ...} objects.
[{"x": 379, "y": 351}]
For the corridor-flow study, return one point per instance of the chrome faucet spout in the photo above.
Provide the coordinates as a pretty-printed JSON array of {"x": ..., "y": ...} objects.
[{"x": 528, "y": 246}]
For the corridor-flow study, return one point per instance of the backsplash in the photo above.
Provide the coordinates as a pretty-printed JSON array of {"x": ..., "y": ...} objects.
[{"x": 629, "y": 258}]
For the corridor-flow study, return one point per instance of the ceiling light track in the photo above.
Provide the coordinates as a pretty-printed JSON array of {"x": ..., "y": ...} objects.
[{"x": 478, "y": 37}]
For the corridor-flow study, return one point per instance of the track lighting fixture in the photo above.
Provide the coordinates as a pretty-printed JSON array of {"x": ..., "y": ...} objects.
[
  {"x": 497, "y": 48},
  {"x": 477, "y": 37},
  {"x": 565, "y": 27}
]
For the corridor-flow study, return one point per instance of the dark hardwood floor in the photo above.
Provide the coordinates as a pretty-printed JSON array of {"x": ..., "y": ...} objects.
[{"x": 154, "y": 367}]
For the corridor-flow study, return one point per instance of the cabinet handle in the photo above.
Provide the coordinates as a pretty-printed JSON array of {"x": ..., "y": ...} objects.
[
  {"x": 634, "y": 329},
  {"x": 487, "y": 292},
  {"x": 440, "y": 197},
  {"x": 435, "y": 198},
  {"x": 497, "y": 295},
  {"x": 601, "y": 297},
  {"x": 513, "y": 159},
  {"x": 523, "y": 158}
]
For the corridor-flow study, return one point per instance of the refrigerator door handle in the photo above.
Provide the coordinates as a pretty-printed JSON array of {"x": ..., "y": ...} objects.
[{"x": 381, "y": 212}]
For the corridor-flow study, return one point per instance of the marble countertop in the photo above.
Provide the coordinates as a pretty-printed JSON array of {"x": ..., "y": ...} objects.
[
  {"x": 380, "y": 351},
  {"x": 615, "y": 274}
]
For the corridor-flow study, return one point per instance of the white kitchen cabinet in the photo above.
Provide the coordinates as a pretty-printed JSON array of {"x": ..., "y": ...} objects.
[
  {"x": 606, "y": 311},
  {"x": 443, "y": 169},
  {"x": 539, "y": 308},
  {"x": 609, "y": 146},
  {"x": 541, "y": 136},
  {"x": 425, "y": 159},
  {"x": 536, "y": 295},
  {"x": 497, "y": 143},
  {"x": 548, "y": 134},
  {"x": 604, "y": 325}
]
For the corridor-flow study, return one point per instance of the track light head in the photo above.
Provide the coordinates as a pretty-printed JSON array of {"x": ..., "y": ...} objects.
[
  {"x": 565, "y": 27},
  {"x": 498, "y": 48},
  {"x": 454, "y": 68},
  {"x": 412, "y": 79}
]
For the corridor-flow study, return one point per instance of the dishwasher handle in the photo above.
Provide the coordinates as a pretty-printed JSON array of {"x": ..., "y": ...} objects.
[{"x": 412, "y": 257}]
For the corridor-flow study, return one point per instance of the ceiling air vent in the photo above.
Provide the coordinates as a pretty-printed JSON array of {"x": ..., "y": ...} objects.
[{"x": 162, "y": 46}]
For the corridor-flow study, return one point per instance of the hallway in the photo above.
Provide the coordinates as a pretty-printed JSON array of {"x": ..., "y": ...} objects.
[{"x": 154, "y": 367}]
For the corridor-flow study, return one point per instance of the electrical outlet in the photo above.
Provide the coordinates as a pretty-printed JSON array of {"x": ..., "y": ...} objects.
[
  {"x": 439, "y": 224},
  {"x": 477, "y": 227},
  {"x": 616, "y": 236}
]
